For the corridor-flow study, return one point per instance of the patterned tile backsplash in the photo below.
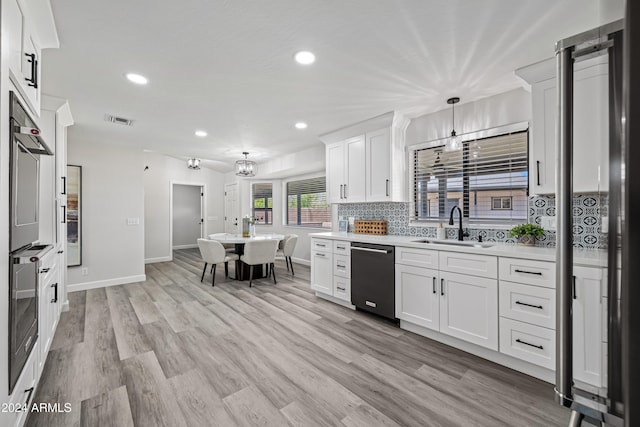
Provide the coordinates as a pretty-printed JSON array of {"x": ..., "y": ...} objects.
[{"x": 587, "y": 213}]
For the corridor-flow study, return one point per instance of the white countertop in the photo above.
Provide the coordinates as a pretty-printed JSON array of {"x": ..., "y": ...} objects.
[{"x": 585, "y": 257}]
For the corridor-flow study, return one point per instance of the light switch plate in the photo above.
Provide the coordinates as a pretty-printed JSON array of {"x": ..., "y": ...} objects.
[{"x": 133, "y": 221}]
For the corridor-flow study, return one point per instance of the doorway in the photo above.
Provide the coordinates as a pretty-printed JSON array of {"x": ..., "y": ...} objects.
[
  {"x": 187, "y": 217},
  {"x": 231, "y": 208}
]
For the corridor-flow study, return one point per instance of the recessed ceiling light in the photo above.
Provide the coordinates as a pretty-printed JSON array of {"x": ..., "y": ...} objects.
[
  {"x": 137, "y": 79},
  {"x": 305, "y": 58},
  {"x": 301, "y": 125},
  {"x": 201, "y": 133}
]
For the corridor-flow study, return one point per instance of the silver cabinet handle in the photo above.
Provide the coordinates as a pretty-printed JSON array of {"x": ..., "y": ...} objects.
[
  {"x": 345, "y": 191},
  {"x": 319, "y": 254},
  {"x": 321, "y": 245},
  {"x": 434, "y": 285},
  {"x": 442, "y": 287},
  {"x": 341, "y": 191},
  {"x": 380, "y": 251}
]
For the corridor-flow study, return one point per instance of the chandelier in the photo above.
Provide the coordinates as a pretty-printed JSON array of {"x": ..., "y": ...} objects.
[
  {"x": 193, "y": 163},
  {"x": 245, "y": 167}
]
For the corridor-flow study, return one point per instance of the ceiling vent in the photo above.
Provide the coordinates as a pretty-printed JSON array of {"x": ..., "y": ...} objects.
[{"x": 118, "y": 120}]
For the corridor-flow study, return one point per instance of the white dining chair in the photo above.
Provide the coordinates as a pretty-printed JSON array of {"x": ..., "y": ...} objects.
[
  {"x": 286, "y": 247},
  {"x": 229, "y": 247},
  {"x": 213, "y": 253},
  {"x": 259, "y": 252}
]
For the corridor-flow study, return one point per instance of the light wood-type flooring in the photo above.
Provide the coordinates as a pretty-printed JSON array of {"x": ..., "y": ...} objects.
[{"x": 176, "y": 352}]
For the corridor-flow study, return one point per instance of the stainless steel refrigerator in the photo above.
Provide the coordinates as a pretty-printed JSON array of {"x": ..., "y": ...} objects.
[{"x": 615, "y": 400}]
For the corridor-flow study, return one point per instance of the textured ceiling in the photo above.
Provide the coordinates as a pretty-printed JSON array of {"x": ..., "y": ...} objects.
[{"x": 226, "y": 66}]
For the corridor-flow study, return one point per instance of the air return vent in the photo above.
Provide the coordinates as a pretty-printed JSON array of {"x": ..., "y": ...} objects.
[{"x": 118, "y": 120}]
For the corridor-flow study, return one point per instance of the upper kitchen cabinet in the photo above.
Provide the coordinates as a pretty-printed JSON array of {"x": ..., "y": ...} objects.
[
  {"x": 29, "y": 29},
  {"x": 590, "y": 129},
  {"x": 366, "y": 161}
]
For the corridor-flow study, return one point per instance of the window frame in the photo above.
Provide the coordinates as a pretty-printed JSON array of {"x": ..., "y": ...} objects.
[
  {"x": 285, "y": 202},
  {"x": 502, "y": 199},
  {"x": 467, "y": 137},
  {"x": 268, "y": 211}
]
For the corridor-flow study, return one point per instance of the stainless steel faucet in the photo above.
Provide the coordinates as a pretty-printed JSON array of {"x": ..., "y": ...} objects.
[{"x": 461, "y": 233}]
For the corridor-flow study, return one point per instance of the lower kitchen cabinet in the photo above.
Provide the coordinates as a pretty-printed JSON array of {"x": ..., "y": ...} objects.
[
  {"x": 588, "y": 326},
  {"x": 417, "y": 296},
  {"x": 322, "y": 272},
  {"x": 469, "y": 308},
  {"x": 530, "y": 343}
]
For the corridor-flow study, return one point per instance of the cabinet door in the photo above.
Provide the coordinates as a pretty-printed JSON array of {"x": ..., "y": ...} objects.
[
  {"x": 417, "y": 291},
  {"x": 335, "y": 172},
  {"x": 322, "y": 272},
  {"x": 587, "y": 326},
  {"x": 14, "y": 20},
  {"x": 469, "y": 308},
  {"x": 31, "y": 68},
  {"x": 378, "y": 166},
  {"x": 542, "y": 143},
  {"x": 355, "y": 171}
]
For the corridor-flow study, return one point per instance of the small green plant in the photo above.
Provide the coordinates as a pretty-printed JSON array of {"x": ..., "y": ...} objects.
[{"x": 527, "y": 230}]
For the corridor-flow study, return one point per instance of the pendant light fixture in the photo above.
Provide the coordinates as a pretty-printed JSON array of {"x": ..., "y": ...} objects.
[
  {"x": 193, "y": 163},
  {"x": 437, "y": 168},
  {"x": 454, "y": 141},
  {"x": 245, "y": 167}
]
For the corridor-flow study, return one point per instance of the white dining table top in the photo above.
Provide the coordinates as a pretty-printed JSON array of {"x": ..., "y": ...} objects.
[{"x": 237, "y": 238}]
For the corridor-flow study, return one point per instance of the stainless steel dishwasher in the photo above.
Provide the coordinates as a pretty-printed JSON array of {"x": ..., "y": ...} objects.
[{"x": 373, "y": 278}]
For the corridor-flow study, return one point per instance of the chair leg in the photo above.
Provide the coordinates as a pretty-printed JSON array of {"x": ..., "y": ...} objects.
[
  {"x": 213, "y": 275},
  {"x": 204, "y": 270},
  {"x": 286, "y": 261},
  {"x": 273, "y": 271},
  {"x": 212, "y": 265},
  {"x": 291, "y": 263},
  {"x": 226, "y": 269},
  {"x": 250, "y": 274}
]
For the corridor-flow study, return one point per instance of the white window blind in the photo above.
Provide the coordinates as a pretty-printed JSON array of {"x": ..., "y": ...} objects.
[
  {"x": 473, "y": 178},
  {"x": 307, "y": 203},
  {"x": 262, "y": 203}
]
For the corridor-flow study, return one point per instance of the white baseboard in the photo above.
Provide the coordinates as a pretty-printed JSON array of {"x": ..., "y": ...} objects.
[
  {"x": 185, "y": 246},
  {"x": 158, "y": 259},
  {"x": 104, "y": 283},
  {"x": 336, "y": 300},
  {"x": 301, "y": 261},
  {"x": 494, "y": 356}
]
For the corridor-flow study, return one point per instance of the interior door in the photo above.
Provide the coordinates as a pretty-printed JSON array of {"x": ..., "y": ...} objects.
[
  {"x": 231, "y": 208},
  {"x": 187, "y": 215}
]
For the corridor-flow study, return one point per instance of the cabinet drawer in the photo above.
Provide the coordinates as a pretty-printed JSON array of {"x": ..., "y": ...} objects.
[
  {"x": 321, "y": 245},
  {"x": 415, "y": 257},
  {"x": 342, "y": 288},
  {"x": 472, "y": 264},
  {"x": 530, "y": 343},
  {"x": 340, "y": 247},
  {"x": 531, "y": 304},
  {"x": 537, "y": 273},
  {"x": 342, "y": 266},
  {"x": 24, "y": 390}
]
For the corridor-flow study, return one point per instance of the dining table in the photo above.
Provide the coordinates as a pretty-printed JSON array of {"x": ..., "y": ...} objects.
[{"x": 239, "y": 241}]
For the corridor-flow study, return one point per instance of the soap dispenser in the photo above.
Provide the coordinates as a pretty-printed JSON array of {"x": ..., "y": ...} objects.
[{"x": 441, "y": 232}]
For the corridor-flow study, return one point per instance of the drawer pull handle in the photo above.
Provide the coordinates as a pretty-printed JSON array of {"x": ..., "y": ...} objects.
[
  {"x": 530, "y": 345},
  {"x": 341, "y": 289},
  {"x": 319, "y": 254},
  {"x": 341, "y": 266},
  {"x": 342, "y": 247},
  {"x": 537, "y": 273},
  {"x": 45, "y": 270},
  {"x": 29, "y": 392},
  {"x": 320, "y": 245},
  {"x": 529, "y": 305},
  {"x": 434, "y": 286}
]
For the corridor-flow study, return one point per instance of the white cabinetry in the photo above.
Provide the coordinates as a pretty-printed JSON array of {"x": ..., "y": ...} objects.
[
  {"x": 528, "y": 310},
  {"x": 587, "y": 326},
  {"x": 24, "y": 53},
  {"x": 331, "y": 268},
  {"x": 48, "y": 305},
  {"x": 464, "y": 306},
  {"x": 590, "y": 130},
  {"x": 366, "y": 161}
]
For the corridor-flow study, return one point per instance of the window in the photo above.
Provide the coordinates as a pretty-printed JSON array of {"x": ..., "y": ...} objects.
[
  {"x": 262, "y": 203},
  {"x": 501, "y": 203},
  {"x": 307, "y": 203},
  {"x": 487, "y": 178}
]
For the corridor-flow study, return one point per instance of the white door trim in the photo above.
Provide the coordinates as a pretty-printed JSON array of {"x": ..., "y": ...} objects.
[{"x": 203, "y": 210}]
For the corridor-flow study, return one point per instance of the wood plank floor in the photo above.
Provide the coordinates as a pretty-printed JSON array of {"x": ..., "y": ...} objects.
[{"x": 176, "y": 352}]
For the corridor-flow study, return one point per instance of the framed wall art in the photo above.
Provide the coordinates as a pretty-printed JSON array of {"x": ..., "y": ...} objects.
[{"x": 74, "y": 215}]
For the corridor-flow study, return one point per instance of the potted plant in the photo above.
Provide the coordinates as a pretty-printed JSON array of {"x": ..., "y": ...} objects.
[{"x": 527, "y": 233}]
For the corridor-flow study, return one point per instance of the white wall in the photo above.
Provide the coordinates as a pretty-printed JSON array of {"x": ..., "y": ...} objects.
[
  {"x": 502, "y": 109},
  {"x": 162, "y": 173},
  {"x": 112, "y": 192},
  {"x": 187, "y": 213}
]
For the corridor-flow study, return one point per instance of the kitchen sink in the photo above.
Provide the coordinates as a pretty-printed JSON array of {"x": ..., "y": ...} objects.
[{"x": 469, "y": 244}]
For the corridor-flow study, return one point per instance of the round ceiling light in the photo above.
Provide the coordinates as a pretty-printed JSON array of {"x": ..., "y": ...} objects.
[
  {"x": 301, "y": 125},
  {"x": 305, "y": 58},
  {"x": 137, "y": 79},
  {"x": 201, "y": 133}
]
